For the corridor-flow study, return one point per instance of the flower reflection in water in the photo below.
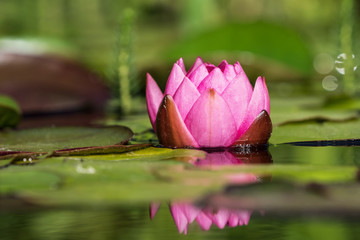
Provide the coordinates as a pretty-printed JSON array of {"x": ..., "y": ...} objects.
[{"x": 185, "y": 213}]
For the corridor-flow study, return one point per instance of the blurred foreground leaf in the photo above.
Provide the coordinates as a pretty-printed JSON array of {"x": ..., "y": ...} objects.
[
  {"x": 9, "y": 112},
  {"x": 43, "y": 84}
]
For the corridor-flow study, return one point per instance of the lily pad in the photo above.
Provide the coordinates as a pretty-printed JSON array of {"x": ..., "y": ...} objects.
[
  {"x": 306, "y": 110},
  {"x": 55, "y": 138},
  {"x": 152, "y": 153},
  {"x": 99, "y": 150},
  {"x": 315, "y": 132},
  {"x": 9, "y": 112},
  {"x": 91, "y": 180}
]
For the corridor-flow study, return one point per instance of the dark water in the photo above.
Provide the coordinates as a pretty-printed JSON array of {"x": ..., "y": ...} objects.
[{"x": 184, "y": 220}]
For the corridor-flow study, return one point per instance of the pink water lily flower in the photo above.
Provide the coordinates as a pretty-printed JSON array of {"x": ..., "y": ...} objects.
[{"x": 209, "y": 106}]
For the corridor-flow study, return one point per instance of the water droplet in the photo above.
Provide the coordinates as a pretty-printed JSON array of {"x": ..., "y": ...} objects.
[
  {"x": 330, "y": 83},
  {"x": 323, "y": 63},
  {"x": 339, "y": 63}
]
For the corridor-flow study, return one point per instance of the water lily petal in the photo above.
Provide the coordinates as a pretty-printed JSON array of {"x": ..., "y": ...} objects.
[
  {"x": 237, "y": 95},
  {"x": 229, "y": 72},
  {"x": 223, "y": 64},
  {"x": 179, "y": 218},
  {"x": 198, "y": 74},
  {"x": 154, "y": 97},
  {"x": 227, "y": 69},
  {"x": 258, "y": 133},
  {"x": 197, "y": 63},
  {"x": 256, "y": 105},
  {"x": 181, "y": 64},
  {"x": 204, "y": 221},
  {"x": 190, "y": 212},
  {"x": 238, "y": 68},
  {"x": 185, "y": 97},
  {"x": 221, "y": 218},
  {"x": 171, "y": 129},
  {"x": 176, "y": 77},
  {"x": 233, "y": 220},
  {"x": 210, "y": 121},
  {"x": 218, "y": 159},
  {"x": 209, "y": 66},
  {"x": 267, "y": 97},
  {"x": 215, "y": 80},
  {"x": 244, "y": 217},
  {"x": 154, "y": 207}
]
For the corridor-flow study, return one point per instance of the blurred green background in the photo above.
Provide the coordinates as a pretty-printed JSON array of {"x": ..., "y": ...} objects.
[
  {"x": 294, "y": 44},
  {"x": 303, "y": 48}
]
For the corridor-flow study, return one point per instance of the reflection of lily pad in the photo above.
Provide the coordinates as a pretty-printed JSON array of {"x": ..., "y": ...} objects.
[
  {"x": 50, "y": 139},
  {"x": 9, "y": 112},
  {"x": 284, "y": 197}
]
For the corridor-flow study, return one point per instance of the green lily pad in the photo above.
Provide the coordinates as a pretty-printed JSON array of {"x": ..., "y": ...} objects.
[
  {"x": 9, "y": 112},
  {"x": 51, "y": 139},
  {"x": 316, "y": 132},
  {"x": 112, "y": 149},
  {"x": 91, "y": 180},
  {"x": 39, "y": 181},
  {"x": 152, "y": 153},
  {"x": 306, "y": 109}
]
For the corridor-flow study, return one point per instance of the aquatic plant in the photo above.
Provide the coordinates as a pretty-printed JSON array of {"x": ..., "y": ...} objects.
[{"x": 209, "y": 106}]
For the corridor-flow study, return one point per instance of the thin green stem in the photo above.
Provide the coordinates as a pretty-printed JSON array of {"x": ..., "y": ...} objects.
[{"x": 124, "y": 60}]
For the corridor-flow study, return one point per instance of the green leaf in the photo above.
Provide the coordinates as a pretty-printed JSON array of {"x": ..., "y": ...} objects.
[
  {"x": 315, "y": 132},
  {"x": 91, "y": 180},
  {"x": 264, "y": 39},
  {"x": 112, "y": 149},
  {"x": 51, "y": 139},
  {"x": 151, "y": 154},
  {"x": 28, "y": 180},
  {"x": 9, "y": 112}
]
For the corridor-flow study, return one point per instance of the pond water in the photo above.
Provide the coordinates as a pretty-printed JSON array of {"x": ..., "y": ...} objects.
[
  {"x": 273, "y": 214},
  {"x": 133, "y": 222}
]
